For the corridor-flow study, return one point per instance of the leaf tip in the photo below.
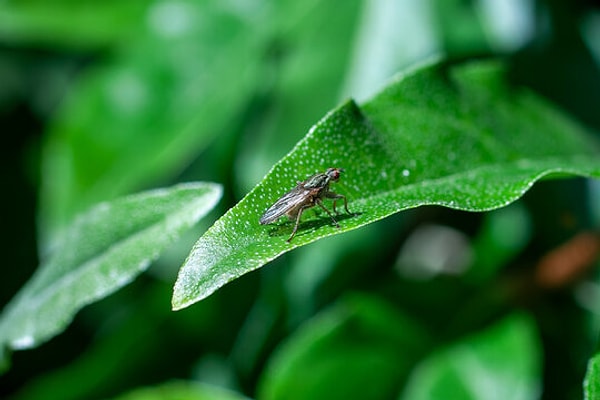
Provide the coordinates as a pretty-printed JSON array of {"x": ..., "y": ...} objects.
[{"x": 179, "y": 301}]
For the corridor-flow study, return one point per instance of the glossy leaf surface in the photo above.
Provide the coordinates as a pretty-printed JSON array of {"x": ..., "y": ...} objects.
[{"x": 456, "y": 136}]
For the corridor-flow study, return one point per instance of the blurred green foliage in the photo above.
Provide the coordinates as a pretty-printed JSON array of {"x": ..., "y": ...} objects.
[
  {"x": 110, "y": 98},
  {"x": 104, "y": 249}
]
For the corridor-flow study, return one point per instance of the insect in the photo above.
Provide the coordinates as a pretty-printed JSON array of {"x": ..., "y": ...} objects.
[{"x": 305, "y": 195}]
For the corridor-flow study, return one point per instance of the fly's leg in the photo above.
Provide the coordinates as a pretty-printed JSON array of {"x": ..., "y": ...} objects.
[
  {"x": 320, "y": 203},
  {"x": 300, "y": 211},
  {"x": 335, "y": 197}
]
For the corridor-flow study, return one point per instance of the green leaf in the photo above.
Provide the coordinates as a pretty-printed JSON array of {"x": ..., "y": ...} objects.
[
  {"x": 70, "y": 23},
  {"x": 309, "y": 37},
  {"x": 361, "y": 348},
  {"x": 502, "y": 362},
  {"x": 103, "y": 250},
  {"x": 504, "y": 233},
  {"x": 143, "y": 114},
  {"x": 591, "y": 384},
  {"x": 455, "y": 136},
  {"x": 181, "y": 390}
]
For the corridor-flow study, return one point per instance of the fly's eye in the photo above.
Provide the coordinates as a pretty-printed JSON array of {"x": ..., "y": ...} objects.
[{"x": 333, "y": 173}]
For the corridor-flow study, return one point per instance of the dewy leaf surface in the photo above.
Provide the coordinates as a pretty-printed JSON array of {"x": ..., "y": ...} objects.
[
  {"x": 103, "y": 250},
  {"x": 456, "y": 136}
]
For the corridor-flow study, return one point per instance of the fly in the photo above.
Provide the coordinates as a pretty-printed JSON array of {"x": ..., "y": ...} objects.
[{"x": 305, "y": 195}]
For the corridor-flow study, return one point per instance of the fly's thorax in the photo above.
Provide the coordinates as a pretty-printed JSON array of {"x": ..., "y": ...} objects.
[
  {"x": 316, "y": 181},
  {"x": 321, "y": 192}
]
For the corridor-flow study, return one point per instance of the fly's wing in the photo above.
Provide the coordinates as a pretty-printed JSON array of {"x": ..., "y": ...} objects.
[{"x": 287, "y": 202}]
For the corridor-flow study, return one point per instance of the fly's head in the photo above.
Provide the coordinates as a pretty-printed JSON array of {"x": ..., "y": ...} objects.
[{"x": 333, "y": 174}]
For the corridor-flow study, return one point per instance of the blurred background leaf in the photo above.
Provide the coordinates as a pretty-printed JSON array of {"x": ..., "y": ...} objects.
[
  {"x": 103, "y": 250},
  {"x": 500, "y": 362},
  {"x": 86, "y": 25},
  {"x": 181, "y": 391},
  {"x": 143, "y": 115},
  {"x": 361, "y": 348}
]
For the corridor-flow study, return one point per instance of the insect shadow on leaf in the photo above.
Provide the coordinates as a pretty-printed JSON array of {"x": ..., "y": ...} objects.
[
  {"x": 305, "y": 195},
  {"x": 305, "y": 226}
]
